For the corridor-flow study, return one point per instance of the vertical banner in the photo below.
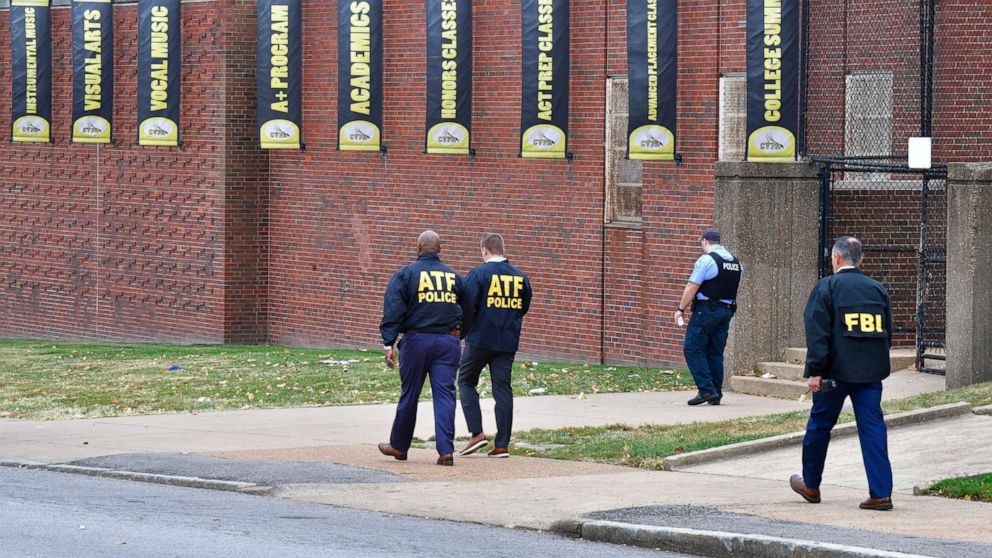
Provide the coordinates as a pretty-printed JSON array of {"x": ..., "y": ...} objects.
[
  {"x": 652, "y": 70},
  {"x": 92, "y": 71},
  {"x": 544, "y": 102},
  {"x": 280, "y": 88},
  {"x": 31, "y": 61},
  {"x": 360, "y": 75},
  {"x": 772, "y": 79},
  {"x": 159, "y": 71},
  {"x": 449, "y": 76}
]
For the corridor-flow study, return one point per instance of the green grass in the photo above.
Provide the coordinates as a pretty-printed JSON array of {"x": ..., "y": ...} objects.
[
  {"x": 46, "y": 380},
  {"x": 977, "y": 488},
  {"x": 647, "y": 445}
]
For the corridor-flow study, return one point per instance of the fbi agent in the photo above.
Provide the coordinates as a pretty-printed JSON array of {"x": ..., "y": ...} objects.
[
  {"x": 848, "y": 335},
  {"x": 500, "y": 296},
  {"x": 712, "y": 289},
  {"x": 426, "y": 302}
]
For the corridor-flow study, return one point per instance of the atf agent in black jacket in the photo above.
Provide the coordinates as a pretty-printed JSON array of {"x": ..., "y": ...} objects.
[
  {"x": 425, "y": 296},
  {"x": 848, "y": 329},
  {"x": 500, "y": 296}
]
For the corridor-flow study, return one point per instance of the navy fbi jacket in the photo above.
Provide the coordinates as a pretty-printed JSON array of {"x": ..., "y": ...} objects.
[
  {"x": 499, "y": 295},
  {"x": 427, "y": 297},
  {"x": 848, "y": 329}
]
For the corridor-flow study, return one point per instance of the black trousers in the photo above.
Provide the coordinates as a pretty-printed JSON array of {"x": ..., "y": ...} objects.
[{"x": 474, "y": 359}]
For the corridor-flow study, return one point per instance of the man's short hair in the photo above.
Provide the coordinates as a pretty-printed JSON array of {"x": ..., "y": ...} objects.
[
  {"x": 849, "y": 249},
  {"x": 429, "y": 242},
  {"x": 494, "y": 243}
]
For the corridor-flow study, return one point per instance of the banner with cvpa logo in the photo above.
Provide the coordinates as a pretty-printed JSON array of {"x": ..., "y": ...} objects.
[
  {"x": 544, "y": 102},
  {"x": 652, "y": 41},
  {"x": 280, "y": 111},
  {"x": 159, "y": 71},
  {"x": 92, "y": 71},
  {"x": 449, "y": 76},
  {"x": 360, "y": 75},
  {"x": 31, "y": 67},
  {"x": 772, "y": 79}
]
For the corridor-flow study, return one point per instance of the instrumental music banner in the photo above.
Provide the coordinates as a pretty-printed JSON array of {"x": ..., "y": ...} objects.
[
  {"x": 31, "y": 68},
  {"x": 449, "y": 76},
  {"x": 92, "y": 71},
  {"x": 280, "y": 89},
  {"x": 544, "y": 99},
  {"x": 159, "y": 71},
  {"x": 652, "y": 70},
  {"x": 772, "y": 80},
  {"x": 360, "y": 75}
]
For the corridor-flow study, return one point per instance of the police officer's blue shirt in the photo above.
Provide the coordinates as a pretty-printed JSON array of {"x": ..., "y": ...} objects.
[
  {"x": 705, "y": 269},
  {"x": 426, "y": 296},
  {"x": 500, "y": 295}
]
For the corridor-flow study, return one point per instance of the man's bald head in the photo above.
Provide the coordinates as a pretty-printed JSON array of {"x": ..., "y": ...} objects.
[{"x": 429, "y": 242}]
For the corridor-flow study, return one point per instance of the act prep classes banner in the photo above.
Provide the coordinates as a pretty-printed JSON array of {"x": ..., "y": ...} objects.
[
  {"x": 449, "y": 76},
  {"x": 31, "y": 67},
  {"x": 92, "y": 71},
  {"x": 159, "y": 71},
  {"x": 360, "y": 75},
  {"x": 280, "y": 89},
  {"x": 772, "y": 79},
  {"x": 544, "y": 100},
  {"x": 652, "y": 41}
]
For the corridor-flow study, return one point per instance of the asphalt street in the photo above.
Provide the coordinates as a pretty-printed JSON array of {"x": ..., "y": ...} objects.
[{"x": 50, "y": 514}]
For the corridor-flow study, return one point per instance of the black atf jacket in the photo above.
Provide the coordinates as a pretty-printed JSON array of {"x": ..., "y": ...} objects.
[
  {"x": 425, "y": 296},
  {"x": 500, "y": 296}
]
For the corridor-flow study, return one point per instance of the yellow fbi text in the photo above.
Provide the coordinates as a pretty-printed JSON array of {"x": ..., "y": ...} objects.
[
  {"x": 504, "y": 292},
  {"x": 436, "y": 286},
  {"x": 863, "y": 323}
]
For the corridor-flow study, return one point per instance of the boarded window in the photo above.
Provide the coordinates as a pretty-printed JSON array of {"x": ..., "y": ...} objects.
[
  {"x": 623, "y": 177},
  {"x": 733, "y": 116},
  {"x": 868, "y": 125}
]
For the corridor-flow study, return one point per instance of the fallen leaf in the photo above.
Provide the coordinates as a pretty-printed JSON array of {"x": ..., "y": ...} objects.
[{"x": 251, "y": 396}]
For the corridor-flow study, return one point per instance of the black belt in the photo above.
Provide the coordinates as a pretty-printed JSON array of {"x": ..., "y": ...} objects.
[
  {"x": 715, "y": 304},
  {"x": 456, "y": 332}
]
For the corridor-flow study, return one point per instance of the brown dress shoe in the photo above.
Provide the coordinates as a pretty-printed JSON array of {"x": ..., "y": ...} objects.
[
  {"x": 877, "y": 504},
  {"x": 389, "y": 450},
  {"x": 475, "y": 444},
  {"x": 811, "y": 495},
  {"x": 446, "y": 460},
  {"x": 500, "y": 452}
]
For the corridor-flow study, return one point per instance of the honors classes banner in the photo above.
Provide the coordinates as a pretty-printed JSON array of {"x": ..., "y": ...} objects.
[{"x": 449, "y": 76}]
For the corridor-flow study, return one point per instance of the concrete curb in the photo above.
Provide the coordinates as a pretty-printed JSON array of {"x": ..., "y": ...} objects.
[
  {"x": 188, "y": 482},
  {"x": 714, "y": 544},
  {"x": 677, "y": 462},
  {"x": 986, "y": 410}
]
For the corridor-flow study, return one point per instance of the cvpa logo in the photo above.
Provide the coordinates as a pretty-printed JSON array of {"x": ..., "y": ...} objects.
[
  {"x": 544, "y": 138},
  {"x": 92, "y": 127},
  {"x": 449, "y": 135},
  {"x": 359, "y": 132},
  {"x": 774, "y": 141},
  {"x": 31, "y": 126}
]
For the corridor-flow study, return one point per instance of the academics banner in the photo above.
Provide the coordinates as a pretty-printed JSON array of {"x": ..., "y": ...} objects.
[
  {"x": 92, "y": 71},
  {"x": 360, "y": 75},
  {"x": 280, "y": 82},
  {"x": 652, "y": 71},
  {"x": 31, "y": 67},
  {"x": 544, "y": 102},
  {"x": 159, "y": 71},
  {"x": 772, "y": 79},
  {"x": 449, "y": 76}
]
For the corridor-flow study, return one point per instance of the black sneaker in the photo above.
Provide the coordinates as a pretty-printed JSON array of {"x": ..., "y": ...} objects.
[
  {"x": 703, "y": 398},
  {"x": 719, "y": 398}
]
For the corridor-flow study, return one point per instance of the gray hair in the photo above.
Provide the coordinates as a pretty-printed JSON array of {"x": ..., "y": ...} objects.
[
  {"x": 429, "y": 242},
  {"x": 849, "y": 249}
]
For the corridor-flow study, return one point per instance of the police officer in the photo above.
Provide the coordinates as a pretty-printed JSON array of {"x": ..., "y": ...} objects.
[
  {"x": 500, "y": 297},
  {"x": 848, "y": 337},
  {"x": 712, "y": 290},
  {"x": 426, "y": 302}
]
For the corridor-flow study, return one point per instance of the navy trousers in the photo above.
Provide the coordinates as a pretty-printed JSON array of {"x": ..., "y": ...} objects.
[
  {"x": 867, "y": 402},
  {"x": 423, "y": 355},
  {"x": 705, "y": 340},
  {"x": 474, "y": 359}
]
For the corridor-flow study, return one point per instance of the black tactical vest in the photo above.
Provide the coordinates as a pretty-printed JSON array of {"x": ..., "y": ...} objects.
[{"x": 727, "y": 281}]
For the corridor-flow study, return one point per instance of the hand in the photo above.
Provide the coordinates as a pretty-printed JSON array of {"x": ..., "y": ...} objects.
[
  {"x": 391, "y": 358},
  {"x": 814, "y": 384},
  {"x": 679, "y": 315}
]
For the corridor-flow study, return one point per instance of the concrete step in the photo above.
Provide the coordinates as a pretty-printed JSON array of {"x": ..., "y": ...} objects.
[
  {"x": 782, "y": 389},
  {"x": 782, "y": 370},
  {"x": 901, "y": 358}
]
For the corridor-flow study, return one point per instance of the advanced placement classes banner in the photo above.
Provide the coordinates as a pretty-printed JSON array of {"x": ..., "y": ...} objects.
[
  {"x": 31, "y": 68},
  {"x": 280, "y": 82},
  {"x": 92, "y": 71},
  {"x": 772, "y": 80},
  {"x": 360, "y": 75},
  {"x": 544, "y": 99},
  {"x": 652, "y": 41},
  {"x": 159, "y": 71},
  {"x": 449, "y": 77}
]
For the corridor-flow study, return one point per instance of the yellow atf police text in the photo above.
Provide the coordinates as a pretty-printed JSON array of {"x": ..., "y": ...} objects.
[
  {"x": 436, "y": 286},
  {"x": 504, "y": 292}
]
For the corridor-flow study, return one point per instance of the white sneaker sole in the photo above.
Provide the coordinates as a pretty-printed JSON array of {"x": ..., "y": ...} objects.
[
  {"x": 500, "y": 456},
  {"x": 473, "y": 448}
]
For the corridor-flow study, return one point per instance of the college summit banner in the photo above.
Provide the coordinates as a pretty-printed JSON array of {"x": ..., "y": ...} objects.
[
  {"x": 544, "y": 100},
  {"x": 360, "y": 75},
  {"x": 92, "y": 71},
  {"x": 449, "y": 76},
  {"x": 159, "y": 71},
  {"x": 652, "y": 71},
  {"x": 31, "y": 67},
  {"x": 772, "y": 79},
  {"x": 280, "y": 110}
]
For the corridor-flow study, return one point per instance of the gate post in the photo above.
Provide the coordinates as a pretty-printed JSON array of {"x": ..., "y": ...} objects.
[
  {"x": 969, "y": 274},
  {"x": 768, "y": 215}
]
